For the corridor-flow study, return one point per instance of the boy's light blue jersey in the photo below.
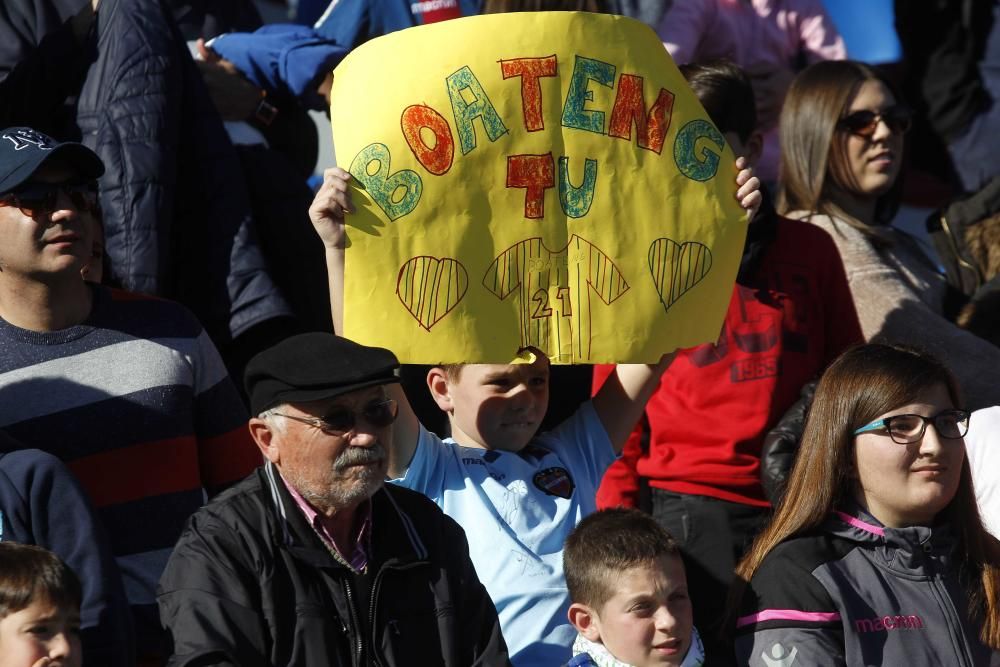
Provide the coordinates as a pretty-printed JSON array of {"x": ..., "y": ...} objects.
[{"x": 517, "y": 509}]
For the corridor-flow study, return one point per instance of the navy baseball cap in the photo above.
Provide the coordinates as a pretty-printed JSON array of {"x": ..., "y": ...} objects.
[{"x": 23, "y": 150}]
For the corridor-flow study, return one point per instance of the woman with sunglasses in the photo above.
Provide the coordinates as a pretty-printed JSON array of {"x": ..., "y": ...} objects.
[
  {"x": 842, "y": 130},
  {"x": 877, "y": 554}
]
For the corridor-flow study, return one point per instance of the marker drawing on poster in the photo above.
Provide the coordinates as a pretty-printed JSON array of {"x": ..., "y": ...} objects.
[{"x": 536, "y": 180}]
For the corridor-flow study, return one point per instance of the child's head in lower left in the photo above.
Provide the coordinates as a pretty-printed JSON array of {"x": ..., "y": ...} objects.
[
  {"x": 39, "y": 608},
  {"x": 628, "y": 589}
]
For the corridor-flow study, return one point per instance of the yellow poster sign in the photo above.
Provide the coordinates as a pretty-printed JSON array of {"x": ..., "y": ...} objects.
[{"x": 542, "y": 180}]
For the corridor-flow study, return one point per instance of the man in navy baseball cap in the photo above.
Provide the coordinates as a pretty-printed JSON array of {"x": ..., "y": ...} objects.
[
  {"x": 122, "y": 386},
  {"x": 48, "y": 204}
]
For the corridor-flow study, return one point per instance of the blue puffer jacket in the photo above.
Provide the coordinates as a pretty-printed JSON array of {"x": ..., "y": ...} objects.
[
  {"x": 176, "y": 211},
  {"x": 177, "y": 214}
]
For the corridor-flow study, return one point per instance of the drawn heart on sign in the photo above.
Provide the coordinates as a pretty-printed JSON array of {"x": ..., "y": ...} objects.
[
  {"x": 677, "y": 267},
  {"x": 430, "y": 287}
]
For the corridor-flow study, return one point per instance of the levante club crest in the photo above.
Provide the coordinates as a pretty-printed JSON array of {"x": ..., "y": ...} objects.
[{"x": 555, "y": 482}]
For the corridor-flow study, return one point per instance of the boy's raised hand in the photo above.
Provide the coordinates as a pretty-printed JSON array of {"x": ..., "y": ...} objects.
[
  {"x": 747, "y": 188},
  {"x": 331, "y": 203},
  {"x": 329, "y": 207}
]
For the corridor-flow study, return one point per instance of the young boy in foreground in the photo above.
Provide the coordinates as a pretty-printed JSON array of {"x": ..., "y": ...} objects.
[
  {"x": 516, "y": 493},
  {"x": 39, "y": 609},
  {"x": 628, "y": 592}
]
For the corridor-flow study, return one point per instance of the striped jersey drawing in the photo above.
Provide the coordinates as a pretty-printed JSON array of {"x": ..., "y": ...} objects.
[{"x": 554, "y": 289}]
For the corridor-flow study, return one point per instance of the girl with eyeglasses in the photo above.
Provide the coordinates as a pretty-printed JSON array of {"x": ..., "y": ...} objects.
[
  {"x": 842, "y": 130},
  {"x": 877, "y": 554}
]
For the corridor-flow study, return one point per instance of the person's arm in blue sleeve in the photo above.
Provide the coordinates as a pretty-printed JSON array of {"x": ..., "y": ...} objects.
[{"x": 279, "y": 58}]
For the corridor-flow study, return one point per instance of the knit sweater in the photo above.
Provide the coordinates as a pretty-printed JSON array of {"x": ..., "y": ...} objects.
[
  {"x": 136, "y": 401},
  {"x": 899, "y": 295}
]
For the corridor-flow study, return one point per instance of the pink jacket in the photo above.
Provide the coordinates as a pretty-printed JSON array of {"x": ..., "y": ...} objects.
[{"x": 757, "y": 35}]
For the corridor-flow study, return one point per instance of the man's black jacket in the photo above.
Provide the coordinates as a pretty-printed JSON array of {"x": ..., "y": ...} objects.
[{"x": 250, "y": 583}]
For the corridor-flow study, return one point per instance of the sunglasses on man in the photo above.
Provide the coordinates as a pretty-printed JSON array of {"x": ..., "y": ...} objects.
[
  {"x": 40, "y": 199},
  {"x": 864, "y": 122},
  {"x": 339, "y": 421}
]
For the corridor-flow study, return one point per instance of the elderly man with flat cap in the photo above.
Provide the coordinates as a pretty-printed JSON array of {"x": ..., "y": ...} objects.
[{"x": 312, "y": 560}]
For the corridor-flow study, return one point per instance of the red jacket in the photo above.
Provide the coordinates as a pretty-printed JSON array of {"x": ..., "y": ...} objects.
[{"x": 716, "y": 402}]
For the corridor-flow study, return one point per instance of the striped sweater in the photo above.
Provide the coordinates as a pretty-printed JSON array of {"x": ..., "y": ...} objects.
[{"x": 137, "y": 402}]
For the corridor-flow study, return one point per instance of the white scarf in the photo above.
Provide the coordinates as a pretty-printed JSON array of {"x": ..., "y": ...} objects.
[{"x": 602, "y": 657}]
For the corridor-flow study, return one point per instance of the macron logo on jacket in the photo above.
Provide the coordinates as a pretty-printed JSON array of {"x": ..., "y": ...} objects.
[
  {"x": 780, "y": 656},
  {"x": 883, "y": 623}
]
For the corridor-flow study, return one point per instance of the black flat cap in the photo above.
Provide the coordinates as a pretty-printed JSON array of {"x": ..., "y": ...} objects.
[
  {"x": 314, "y": 366},
  {"x": 23, "y": 150}
]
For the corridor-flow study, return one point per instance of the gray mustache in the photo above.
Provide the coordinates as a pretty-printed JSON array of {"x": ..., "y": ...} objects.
[{"x": 353, "y": 456}]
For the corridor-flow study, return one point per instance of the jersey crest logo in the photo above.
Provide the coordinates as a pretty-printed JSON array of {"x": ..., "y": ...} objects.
[
  {"x": 780, "y": 657},
  {"x": 555, "y": 482}
]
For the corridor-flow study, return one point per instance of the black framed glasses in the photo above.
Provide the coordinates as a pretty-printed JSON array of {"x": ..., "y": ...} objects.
[
  {"x": 864, "y": 122},
  {"x": 907, "y": 429},
  {"x": 339, "y": 421},
  {"x": 39, "y": 199}
]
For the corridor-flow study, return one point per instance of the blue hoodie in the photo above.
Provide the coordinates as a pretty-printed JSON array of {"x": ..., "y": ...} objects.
[{"x": 41, "y": 503}]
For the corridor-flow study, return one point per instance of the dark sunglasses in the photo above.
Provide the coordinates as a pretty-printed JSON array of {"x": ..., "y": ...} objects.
[
  {"x": 42, "y": 198},
  {"x": 341, "y": 420},
  {"x": 863, "y": 123}
]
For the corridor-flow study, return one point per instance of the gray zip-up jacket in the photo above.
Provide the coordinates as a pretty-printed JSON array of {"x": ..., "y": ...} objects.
[{"x": 857, "y": 593}]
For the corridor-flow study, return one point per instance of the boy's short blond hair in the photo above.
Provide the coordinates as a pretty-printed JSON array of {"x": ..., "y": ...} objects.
[
  {"x": 454, "y": 371},
  {"x": 607, "y": 543},
  {"x": 29, "y": 573}
]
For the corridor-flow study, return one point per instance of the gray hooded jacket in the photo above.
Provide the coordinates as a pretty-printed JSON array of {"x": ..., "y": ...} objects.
[{"x": 857, "y": 593}]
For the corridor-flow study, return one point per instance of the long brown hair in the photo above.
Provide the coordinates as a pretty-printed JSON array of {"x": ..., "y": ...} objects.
[
  {"x": 863, "y": 383},
  {"x": 813, "y": 153}
]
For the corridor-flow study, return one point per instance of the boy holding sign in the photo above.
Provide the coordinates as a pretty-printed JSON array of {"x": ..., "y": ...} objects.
[{"x": 516, "y": 493}]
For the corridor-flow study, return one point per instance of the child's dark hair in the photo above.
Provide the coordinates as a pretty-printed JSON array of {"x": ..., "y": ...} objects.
[
  {"x": 29, "y": 573},
  {"x": 725, "y": 91},
  {"x": 607, "y": 543}
]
